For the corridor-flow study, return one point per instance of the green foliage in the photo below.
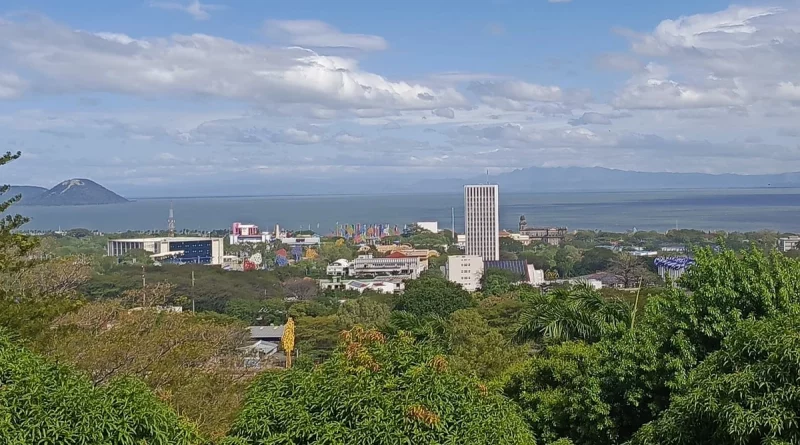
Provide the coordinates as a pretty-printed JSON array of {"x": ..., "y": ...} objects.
[
  {"x": 745, "y": 393},
  {"x": 498, "y": 281},
  {"x": 379, "y": 392},
  {"x": 14, "y": 247},
  {"x": 364, "y": 312},
  {"x": 48, "y": 404},
  {"x": 634, "y": 374},
  {"x": 561, "y": 394},
  {"x": 431, "y": 295},
  {"x": 570, "y": 313},
  {"x": 477, "y": 349},
  {"x": 594, "y": 260}
]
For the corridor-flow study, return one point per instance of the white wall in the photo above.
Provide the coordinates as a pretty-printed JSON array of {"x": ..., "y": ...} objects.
[
  {"x": 431, "y": 226},
  {"x": 465, "y": 270}
]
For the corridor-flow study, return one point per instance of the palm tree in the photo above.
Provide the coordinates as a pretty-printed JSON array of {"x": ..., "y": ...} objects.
[{"x": 578, "y": 312}]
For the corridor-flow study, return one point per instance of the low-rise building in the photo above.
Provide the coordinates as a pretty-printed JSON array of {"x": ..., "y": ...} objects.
[
  {"x": 788, "y": 243},
  {"x": 397, "y": 266},
  {"x": 548, "y": 235},
  {"x": 384, "y": 285},
  {"x": 300, "y": 241},
  {"x": 672, "y": 267},
  {"x": 248, "y": 233},
  {"x": 338, "y": 268},
  {"x": 465, "y": 270},
  {"x": 430, "y": 226},
  {"x": 527, "y": 273},
  {"x": 179, "y": 249}
]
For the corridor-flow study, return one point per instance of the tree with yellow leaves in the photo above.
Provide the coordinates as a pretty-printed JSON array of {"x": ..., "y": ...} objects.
[{"x": 287, "y": 341}]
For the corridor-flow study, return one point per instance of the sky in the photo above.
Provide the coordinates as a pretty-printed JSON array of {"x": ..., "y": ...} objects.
[{"x": 168, "y": 96}]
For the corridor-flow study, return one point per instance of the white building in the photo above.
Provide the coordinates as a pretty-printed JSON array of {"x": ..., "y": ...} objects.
[
  {"x": 461, "y": 241},
  {"x": 178, "y": 249},
  {"x": 788, "y": 243},
  {"x": 338, "y": 268},
  {"x": 386, "y": 286},
  {"x": 391, "y": 266},
  {"x": 306, "y": 241},
  {"x": 465, "y": 270},
  {"x": 248, "y": 233},
  {"x": 430, "y": 226},
  {"x": 535, "y": 276},
  {"x": 481, "y": 221}
]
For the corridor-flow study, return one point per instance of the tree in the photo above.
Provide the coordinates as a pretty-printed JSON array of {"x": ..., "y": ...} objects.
[
  {"x": 511, "y": 245},
  {"x": 629, "y": 269},
  {"x": 635, "y": 374},
  {"x": 301, "y": 288},
  {"x": 744, "y": 393},
  {"x": 430, "y": 295},
  {"x": 189, "y": 360},
  {"x": 364, "y": 312},
  {"x": 498, "y": 281},
  {"x": 477, "y": 349},
  {"x": 570, "y": 313},
  {"x": 51, "y": 404},
  {"x": 594, "y": 260},
  {"x": 566, "y": 258},
  {"x": 377, "y": 391},
  {"x": 14, "y": 246}
]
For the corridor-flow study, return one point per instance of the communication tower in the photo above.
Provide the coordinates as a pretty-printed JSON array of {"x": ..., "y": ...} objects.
[{"x": 171, "y": 221}]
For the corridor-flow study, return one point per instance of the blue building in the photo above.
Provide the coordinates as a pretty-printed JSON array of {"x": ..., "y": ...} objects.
[{"x": 180, "y": 250}]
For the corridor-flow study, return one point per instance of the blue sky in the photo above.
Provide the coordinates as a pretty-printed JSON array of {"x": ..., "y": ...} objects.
[{"x": 166, "y": 95}]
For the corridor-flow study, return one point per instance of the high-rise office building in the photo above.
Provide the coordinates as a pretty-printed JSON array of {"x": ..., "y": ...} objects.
[{"x": 481, "y": 221}]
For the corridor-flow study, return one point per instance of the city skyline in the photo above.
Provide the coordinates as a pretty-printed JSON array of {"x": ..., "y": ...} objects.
[{"x": 183, "y": 94}]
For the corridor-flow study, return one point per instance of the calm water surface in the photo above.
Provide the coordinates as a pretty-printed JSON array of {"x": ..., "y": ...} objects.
[{"x": 733, "y": 209}]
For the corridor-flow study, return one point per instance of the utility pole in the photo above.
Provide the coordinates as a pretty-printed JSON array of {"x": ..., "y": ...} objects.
[
  {"x": 144, "y": 279},
  {"x": 193, "y": 292}
]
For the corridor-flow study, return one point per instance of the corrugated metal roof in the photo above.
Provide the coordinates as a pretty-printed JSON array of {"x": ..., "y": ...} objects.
[{"x": 519, "y": 267}]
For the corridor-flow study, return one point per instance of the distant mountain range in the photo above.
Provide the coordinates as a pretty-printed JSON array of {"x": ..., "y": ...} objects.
[
  {"x": 68, "y": 193},
  {"x": 533, "y": 179}
]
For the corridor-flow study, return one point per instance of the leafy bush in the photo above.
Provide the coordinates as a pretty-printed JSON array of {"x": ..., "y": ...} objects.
[
  {"x": 44, "y": 403},
  {"x": 431, "y": 295},
  {"x": 374, "y": 391}
]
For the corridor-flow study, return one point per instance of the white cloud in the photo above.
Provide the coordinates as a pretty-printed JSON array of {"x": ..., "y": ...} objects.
[
  {"x": 517, "y": 90},
  {"x": 735, "y": 57},
  {"x": 448, "y": 113},
  {"x": 198, "y": 11},
  {"x": 203, "y": 65},
  {"x": 11, "y": 86},
  {"x": 317, "y": 34},
  {"x": 296, "y": 136},
  {"x": 347, "y": 138}
]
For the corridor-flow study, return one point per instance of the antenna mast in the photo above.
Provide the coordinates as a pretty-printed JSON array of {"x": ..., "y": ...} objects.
[{"x": 171, "y": 221}]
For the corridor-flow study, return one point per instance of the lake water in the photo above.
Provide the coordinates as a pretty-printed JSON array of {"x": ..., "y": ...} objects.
[{"x": 732, "y": 209}]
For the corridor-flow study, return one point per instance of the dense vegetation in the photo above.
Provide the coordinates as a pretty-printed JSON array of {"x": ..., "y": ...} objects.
[{"x": 377, "y": 391}]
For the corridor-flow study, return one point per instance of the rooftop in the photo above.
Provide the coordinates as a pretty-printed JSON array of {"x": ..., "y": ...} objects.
[
  {"x": 166, "y": 238},
  {"x": 271, "y": 331}
]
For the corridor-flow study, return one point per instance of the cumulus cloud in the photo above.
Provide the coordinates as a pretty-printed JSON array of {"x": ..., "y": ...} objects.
[
  {"x": 735, "y": 57},
  {"x": 347, "y": 138},
  {"x": 296, "y": 136},
  {"x": 317, "y": 34},
  {"x": 198, "y": 11},
  {"x": 11, "y": 86},
  {"x": 203, "y": 65},
  {"x": 448, "y": 113}
]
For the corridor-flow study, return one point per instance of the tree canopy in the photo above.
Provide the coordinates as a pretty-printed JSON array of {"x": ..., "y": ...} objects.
[
  {"x": 380, "y": 392},
  {"x": 45, "y": 403},
  {"x": 431, "y": 295}
]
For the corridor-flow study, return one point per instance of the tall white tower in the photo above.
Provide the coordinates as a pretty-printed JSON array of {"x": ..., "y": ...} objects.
[{"x": 482, "y": 221}]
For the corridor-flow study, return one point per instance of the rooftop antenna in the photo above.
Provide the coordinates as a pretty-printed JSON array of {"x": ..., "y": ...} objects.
[
  {"x": 487, "y": 176},
  {"x": 171, "y": 221}
]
